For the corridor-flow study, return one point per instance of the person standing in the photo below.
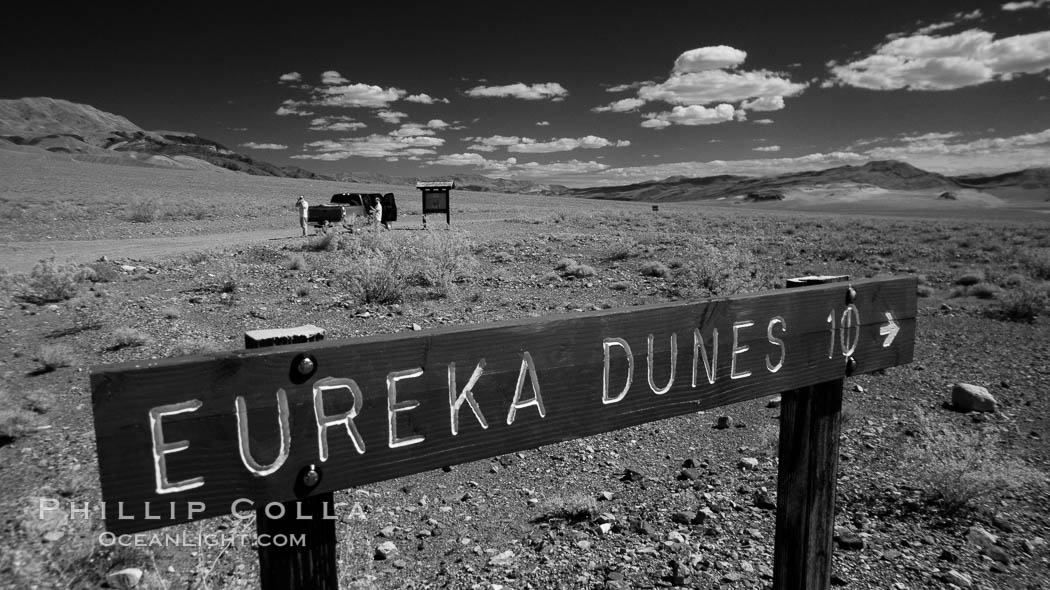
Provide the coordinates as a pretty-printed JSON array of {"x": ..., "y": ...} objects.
[
  {"x": 377, "y": 213},
  {"x": 303, "y": 207}
]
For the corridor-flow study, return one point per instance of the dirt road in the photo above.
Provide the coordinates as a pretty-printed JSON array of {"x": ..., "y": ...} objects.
[{"x": 21, "y": 256}]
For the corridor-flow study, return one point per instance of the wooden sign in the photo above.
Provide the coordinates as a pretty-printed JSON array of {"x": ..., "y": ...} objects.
[
  {"x": 197, "y": 437},
  {"x": 436, "y": 198}
]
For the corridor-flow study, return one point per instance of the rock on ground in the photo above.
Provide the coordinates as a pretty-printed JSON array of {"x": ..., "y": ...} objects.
[{"x": 972, "y": 398}]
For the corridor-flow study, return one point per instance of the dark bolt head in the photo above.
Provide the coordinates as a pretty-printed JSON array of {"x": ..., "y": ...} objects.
[
  {"x": 311, "y": 477},
  {"x": 851, "y": 365},
  {"x": 851, "y": 295}
]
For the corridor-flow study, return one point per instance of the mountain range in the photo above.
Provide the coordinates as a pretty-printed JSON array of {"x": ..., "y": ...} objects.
[{"x": 60, "y": 126}]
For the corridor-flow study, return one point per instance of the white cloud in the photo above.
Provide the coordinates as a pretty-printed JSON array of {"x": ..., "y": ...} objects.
[
  {"x": 410, "y": 129},
  {"x": 690, "y": 115},
  {"x": 332, "y": 77},
  {"x": 924, "y": 62},
  {"x": 357, "y": 95},
  {"x": 1027, "y": 5},
  {"x": 528, "y": 145},
  {"x": 718, "y": 57},
  {"x": 767, "y": 148},
  {"x": 565, "y": 144},
  {"x": 628, "y": 86},
  {"x": 392, "y": 117},
  {"x": 292, "y": 107},
  {"x": 336, "y": 123},
  {"x": 655, "y": 123},
  {"x": 928, "y": 137},
  {"x": 437, "y": 124},
  {"x": 542, "y": 123},
  {"x": 291, "y": 77},
  {"x": 496, "y": 140},
  {"x": 571, "y": 167},
  {"x": 264, "y": 146},
  {"x": 423, "y": 98},
  {"x": 545, "y": 91},
  {"x": 763, "y": 121},
  {"x": 957, "y": 18},
  {"x": 512, "y": 168},
  {"x": 476, "y": 160},
  {"x": 764, "y": 103},
  {"x": 620, "y": 106},
  {"x": 715, "y": 86},
  {"x": 372, "y": 146}
]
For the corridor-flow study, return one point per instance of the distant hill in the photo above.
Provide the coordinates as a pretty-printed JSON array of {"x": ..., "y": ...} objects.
[
  {"x": 467, "y": 182},
  {"x": 60, "y": 126},
  {"x": 91, "y": 135},
  {"x": 886, "y": 174},
  {"x": 63, "y": 127}
]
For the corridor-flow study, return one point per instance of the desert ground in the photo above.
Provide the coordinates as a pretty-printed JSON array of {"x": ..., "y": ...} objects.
[{"x": 105, "y": 264}]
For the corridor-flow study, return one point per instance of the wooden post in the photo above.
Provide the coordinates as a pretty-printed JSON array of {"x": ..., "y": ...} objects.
[
  {"x": 810, "y": 420},
  {"x": 311, "y": 565}
]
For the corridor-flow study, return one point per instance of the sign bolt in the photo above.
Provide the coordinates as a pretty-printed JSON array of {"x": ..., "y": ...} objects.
[
  {"x": 311, "y": 477},
  {"x": 306, "y": 366},
  {"x": 851, "y": 365},
  {"x": 851, "y": 295}
]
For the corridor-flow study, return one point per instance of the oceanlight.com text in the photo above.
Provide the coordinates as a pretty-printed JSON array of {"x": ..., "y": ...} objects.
[{"x": 108, "y": 539}]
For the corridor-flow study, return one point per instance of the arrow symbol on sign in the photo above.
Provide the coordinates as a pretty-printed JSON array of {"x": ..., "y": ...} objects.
[{"x": 889, "y": 330}]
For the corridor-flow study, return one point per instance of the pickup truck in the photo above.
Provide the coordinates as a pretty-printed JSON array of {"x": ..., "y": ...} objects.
[{"x": 346, "y": 209}]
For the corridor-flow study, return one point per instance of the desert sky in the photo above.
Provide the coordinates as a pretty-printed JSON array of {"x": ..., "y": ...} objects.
[{"x": 571, "y": 93}]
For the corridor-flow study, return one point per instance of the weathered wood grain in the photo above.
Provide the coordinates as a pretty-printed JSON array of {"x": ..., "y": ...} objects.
[
  {"x": 566, "y": 351},
  {"x": 289, "y": 566},
  {"x": 808, "y": 453}
]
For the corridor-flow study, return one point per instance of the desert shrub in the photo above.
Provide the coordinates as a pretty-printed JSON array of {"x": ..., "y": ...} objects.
[
  {"x": 229, "y": 283},
  {"x": 48, "y": 282},
  {"x": 1013, "y": 280},
  {"x": 15, "y": 423},
  {"x": 724, "y": 270},
  {"x": 197, "y": 257},
  {"x": 574, "y": 507},
  {"x": 143, "y": 211},
  {"x": 1038, "y": 263},
  {"x": 101, "y": 272},
  {"x": 564, "y": 263},
  {"x": 621, "y": 252},
  {"x": 550, "y": 277},
  {"x": 39, "y": 401},
  {"x": 54, "y": 356},
  {"x": 619, "y": 285},
  {"x": 127, "y": 337},
  {"x": 924, "y": 291},
  {"x": 449, "y": 261},
  {"x": 984, "y": 290},
  {"x": 970, "y": 278},
  {"x": 656, "y": 269},
  {"x": 170, "y": 312},
  {"x": 503, "y": 257},
  {"x": 580, "y": 271},
  {"x": 11, "y": 212},
  {"x": 295, "y": 263},
  {"x": 323, "y": 242},
  {"x": 190, "y": 211},
  {"x": 1023, "y": 304},
  {"x": 302, "y": 291},
  {"x": 193, "y": 346},
  {"x": 957, "y": 466},
  {"x": 375, "y": 282}
]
